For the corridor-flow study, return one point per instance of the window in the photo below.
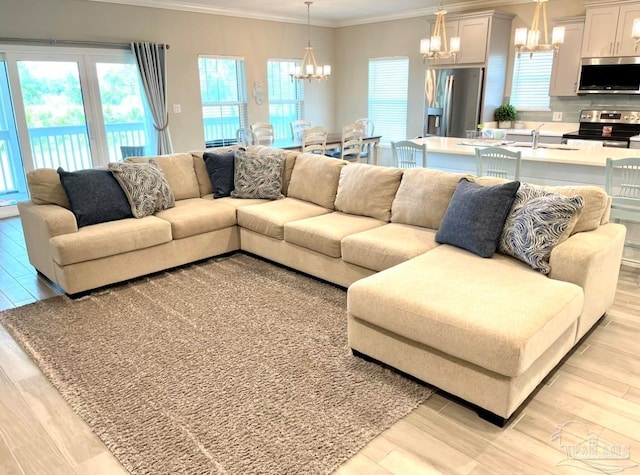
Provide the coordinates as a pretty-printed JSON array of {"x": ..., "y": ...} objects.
[
  {"x": 71, "y": 107},
  {"x": 388, "y": 92},
  {"x": 286, "y": 96},
  {"x": 531, "y": 79},
  {"x": 224, "y": 98}
]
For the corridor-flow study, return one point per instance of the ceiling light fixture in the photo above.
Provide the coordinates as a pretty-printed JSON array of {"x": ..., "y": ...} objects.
[
  {"x": 529, "y": 41},
  {"x": 309, "y": 68},
  {"x": 436, "y": 47}
]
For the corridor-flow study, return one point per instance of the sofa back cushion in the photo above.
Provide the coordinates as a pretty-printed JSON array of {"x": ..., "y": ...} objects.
[
  {"x": 596, "y": 207},
  {"x": 45, "y": 187},
  {"x": 367, "y": 190},
  {"x": 423, "y": 197},
  {"x": 289, "y": 161},
  {"x": 180, "y": 173},
  {"x": 315, "y": 179}
]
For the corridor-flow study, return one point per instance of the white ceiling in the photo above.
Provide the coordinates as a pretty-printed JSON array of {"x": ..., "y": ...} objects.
[{"x": 332, "y": 13}]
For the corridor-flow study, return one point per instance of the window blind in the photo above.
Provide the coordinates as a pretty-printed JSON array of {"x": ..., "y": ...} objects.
[
  {"x": 286, "y": 97},
  {"x": 388, "y": 93},
  {"x": 531, "y": 79}
]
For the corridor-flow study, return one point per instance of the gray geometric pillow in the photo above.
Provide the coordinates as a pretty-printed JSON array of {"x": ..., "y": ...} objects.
[
  {"x": 538, "y": 220},
  {"x": 145, "y": 185},
  {"x": 258, "y": 176}
]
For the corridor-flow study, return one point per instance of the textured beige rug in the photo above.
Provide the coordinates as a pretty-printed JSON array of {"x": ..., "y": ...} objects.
[{"x": 230, "y": 366}]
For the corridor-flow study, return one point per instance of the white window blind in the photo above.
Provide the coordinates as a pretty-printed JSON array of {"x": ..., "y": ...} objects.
[
  {"x": 286, "y": 97},
  {"x": 224, "y": 99},
  {"x": 531, "y": 79},
  {"x": 388, "y": 92}
]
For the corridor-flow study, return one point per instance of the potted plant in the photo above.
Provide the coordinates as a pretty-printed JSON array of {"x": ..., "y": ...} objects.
[{"x": 505, "y": 115}]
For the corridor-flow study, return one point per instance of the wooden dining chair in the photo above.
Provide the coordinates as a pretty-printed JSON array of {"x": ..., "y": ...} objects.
[
  {"x": 246, "y": 137},
  {"x": 351, "y": 143},
  {"x": 498, "y": 162},
  {"x": 298, "y": 127},
  {"x": 406, "y": 152},
  {"x": 369, "y": 130},
  {"x": 314, "y": 140},
  {"x": 131, "y": 151},
  {"x": 622, "y": 183},
  {"x": 263, "y": 131}
]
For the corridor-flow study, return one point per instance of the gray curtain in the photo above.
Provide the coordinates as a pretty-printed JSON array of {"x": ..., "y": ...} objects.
[{"x": 151, "y": 62}]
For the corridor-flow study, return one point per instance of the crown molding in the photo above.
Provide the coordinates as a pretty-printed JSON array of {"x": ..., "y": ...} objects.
[{"x": 197, "y": 7}]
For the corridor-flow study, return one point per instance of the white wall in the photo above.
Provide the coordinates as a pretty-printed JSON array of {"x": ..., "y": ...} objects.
[{"x": 188, "y": 34}]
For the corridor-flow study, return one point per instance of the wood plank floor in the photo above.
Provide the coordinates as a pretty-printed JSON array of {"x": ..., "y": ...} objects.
[{"x": 598, "y": 386}]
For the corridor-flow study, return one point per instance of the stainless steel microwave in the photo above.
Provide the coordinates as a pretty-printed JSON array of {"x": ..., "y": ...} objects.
[{"x": 609, "y": 76}]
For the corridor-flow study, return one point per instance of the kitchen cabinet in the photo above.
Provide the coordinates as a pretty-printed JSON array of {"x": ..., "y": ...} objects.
[
  {"x": 476, "y": 31},
  {"x": 566, "y": 62},
  {"x": 607, "y": 30}
]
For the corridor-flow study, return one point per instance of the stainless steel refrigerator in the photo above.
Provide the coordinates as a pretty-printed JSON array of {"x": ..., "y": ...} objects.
[{"x": 453, "y": 101}]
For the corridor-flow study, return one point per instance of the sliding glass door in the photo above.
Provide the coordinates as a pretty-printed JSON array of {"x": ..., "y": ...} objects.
[{"x": 67, "y": 107}]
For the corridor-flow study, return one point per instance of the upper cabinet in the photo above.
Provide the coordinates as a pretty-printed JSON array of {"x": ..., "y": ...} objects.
[
  {"x": 566, "y": 62},
  {"x": 475, "y": 31},
  {"x": 607, "y": 30}
]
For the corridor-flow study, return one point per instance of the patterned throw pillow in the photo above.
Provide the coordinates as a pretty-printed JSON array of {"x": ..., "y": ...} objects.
[
  {"x": 537, "y": 222},
  {"x": 145, "y": 185},
  {"x": 258, "y": 176}
]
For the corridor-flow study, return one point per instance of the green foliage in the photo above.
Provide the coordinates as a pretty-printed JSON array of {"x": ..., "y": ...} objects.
[{"x": 505, "y": 112}]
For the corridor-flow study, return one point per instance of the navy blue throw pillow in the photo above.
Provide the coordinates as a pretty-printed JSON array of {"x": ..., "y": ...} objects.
[
  {"x": 476, "y": 215},
  {"x": 95, "y": 196},
  {"x": 221, "y": 169}
]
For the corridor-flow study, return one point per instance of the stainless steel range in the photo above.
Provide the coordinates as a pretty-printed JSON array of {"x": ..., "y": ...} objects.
[{"x": 612, "y": 127}]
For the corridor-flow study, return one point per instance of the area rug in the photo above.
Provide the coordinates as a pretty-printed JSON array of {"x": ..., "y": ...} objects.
[{"x": 233, "y": 365}]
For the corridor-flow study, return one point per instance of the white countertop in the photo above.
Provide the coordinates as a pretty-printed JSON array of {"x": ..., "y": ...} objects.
[
  {"x": 549, "y": 129},
  {"x": 592, "y": 156}
]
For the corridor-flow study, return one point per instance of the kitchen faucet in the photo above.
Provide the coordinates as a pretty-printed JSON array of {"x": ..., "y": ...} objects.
[{"x": 535, "y": 136}]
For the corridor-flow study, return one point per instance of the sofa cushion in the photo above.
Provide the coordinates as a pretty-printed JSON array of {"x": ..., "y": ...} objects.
[
  {"x": 238, "y": 202},
  {"x": 367, "y": 190},
  {"x": 475, "y": 216},
  {"x": 198, "y": 216},
  {"x": 145, "y": 186},
  {"x": 538, "y": 220},
  {"x": 258, "y": 176},
  {"x": 315, "y": 179},
  {"x": 423, "y": 197},
  {"x": 220, "y": 167},
  {"x": 202, "y": 175},
  {"x": 269, "y": 218},
  {"x": 383, "y": 247},
  {"x": 108, "y": 239},
  {"x": 45, "y": 187},
  {"x": 325, "y": 233},
  {"x": 95, "y": 196},
  {"x": 495, "y": 313},
  {"x": 290, "y": 157},
  {"x": 179, "y": 172}
]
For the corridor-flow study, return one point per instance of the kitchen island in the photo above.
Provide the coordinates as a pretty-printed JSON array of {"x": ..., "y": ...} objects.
[{"x": 549, "y": 164}]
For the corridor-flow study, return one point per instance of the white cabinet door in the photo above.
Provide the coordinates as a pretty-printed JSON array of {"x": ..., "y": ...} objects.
[
  {"x": 625, "y": 45},
  {"x": 566, "y": 63},
  {"x": 600, "y": 32},
  {"x": 474, "y": 34}
]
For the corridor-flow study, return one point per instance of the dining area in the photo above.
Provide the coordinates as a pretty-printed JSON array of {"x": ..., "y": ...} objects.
[{"x": 355, "y": 142}]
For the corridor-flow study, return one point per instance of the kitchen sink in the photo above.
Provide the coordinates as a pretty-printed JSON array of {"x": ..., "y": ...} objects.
[{"x": 551, "y": 146}]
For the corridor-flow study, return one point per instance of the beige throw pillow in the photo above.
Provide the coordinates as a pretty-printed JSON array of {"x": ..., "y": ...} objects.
[
  {"x": 179, "y": 170},
  {"x": 315, "y": 179},
  {"x": 367, "y": 190}
]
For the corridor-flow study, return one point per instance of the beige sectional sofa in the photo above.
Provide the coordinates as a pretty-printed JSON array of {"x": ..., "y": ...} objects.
[{"x": 487, "y": 330}]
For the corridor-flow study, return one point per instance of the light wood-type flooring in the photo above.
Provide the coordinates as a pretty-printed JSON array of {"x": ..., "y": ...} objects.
[{"x": 599, "y": 385}]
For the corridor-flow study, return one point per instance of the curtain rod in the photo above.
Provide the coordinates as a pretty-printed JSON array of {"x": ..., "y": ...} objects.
[{"x": 52, "y": 42}]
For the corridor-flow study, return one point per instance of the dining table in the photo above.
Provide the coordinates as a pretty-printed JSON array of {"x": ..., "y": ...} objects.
[{"x": 334, "y": 140}]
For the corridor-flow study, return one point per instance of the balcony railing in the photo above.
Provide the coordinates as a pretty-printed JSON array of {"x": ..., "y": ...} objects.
[{"x": 64, "y": 146}]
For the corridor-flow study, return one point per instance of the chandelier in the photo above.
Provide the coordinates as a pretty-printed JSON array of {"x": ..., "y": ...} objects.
[
  {"x": 529, "y": 41},
  {"x": 309, "y": 68},
  {"x": 436, "y": 47}
]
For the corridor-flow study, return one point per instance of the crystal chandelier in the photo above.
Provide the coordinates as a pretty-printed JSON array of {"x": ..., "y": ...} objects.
[
  {"x": 309, "y": 68},
  {"x": 529, "y": 41},
  {"x": 436, "y": 47}
]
